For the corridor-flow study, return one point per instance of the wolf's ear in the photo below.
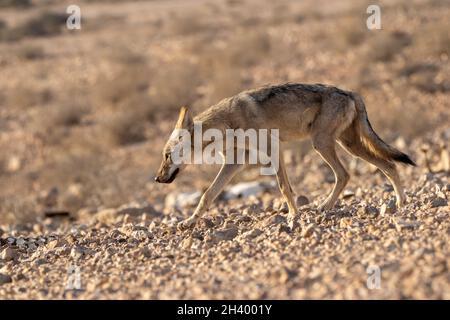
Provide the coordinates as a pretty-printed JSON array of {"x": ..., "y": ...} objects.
[{"x": 185, "y": 120}]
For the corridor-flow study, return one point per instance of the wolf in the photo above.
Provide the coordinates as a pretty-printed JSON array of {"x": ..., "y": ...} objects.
[{"x": 325, "y": 114}]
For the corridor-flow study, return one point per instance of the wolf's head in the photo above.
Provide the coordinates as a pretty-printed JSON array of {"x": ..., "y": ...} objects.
[{"x": 171, "y": 164}]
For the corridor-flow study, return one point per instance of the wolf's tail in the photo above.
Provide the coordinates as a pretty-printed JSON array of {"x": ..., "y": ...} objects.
[{"x": 371, "y": 141}]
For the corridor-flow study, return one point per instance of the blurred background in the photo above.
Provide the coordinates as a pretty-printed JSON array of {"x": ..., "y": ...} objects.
[{"x": 84, "y": 114}]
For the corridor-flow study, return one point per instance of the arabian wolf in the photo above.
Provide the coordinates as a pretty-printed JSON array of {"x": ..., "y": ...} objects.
[{"x": 323, "y": 113}]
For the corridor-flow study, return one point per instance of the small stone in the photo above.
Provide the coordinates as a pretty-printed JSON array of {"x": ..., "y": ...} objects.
[
  {"x": 252, "y": 234},
  {"x": 186, "y": 243},
  {"x": 225, "y": 234},
  {"x": 347, "y": 194},
  {"x": 275, "y": 219},
  {"x": 4, "y": 278},
  {"x": 403, "y": 224},
  {"x": 302, "y": 201},
  {"x": 79, "y": 251},
  {"x": 308, "y": 231},
  {"x": 8, "y": 254},
  {"x": 370, "y": 210},
  {"x": 20, "y": 242},
  {"x": 388, "y": 208},
  {"x": 14, "y": 164},
  {"x": 439, "y": 202}
]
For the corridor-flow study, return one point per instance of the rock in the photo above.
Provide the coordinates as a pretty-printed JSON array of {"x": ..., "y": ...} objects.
[
  {"x": 186, "y": 243},
  {"x": 79, "y": 252},
  {"x": 273, "y": 220},
  {"x": 370, "y": 211},
  {"x": 225, "y": 234},
  {"x": 301, "y": 201},
  {"x": 251, "y": 210},
  {"x": 20, "y": 242},
  {"x": 13, "y": 165},
  {"x": 140, "y": 235},
  {"x": 388, "y": 208},
  {"x": 252, "y": 234},
  {"x": 245, "y": 190},
  {"x": 401, "y": 224},
  {"x": 308, "y": 231},
  {"x": 53, "y": 244},
  {"x": 8, "y": 254},
  {"x": 106, "y": 216},
  {"x": 438, "y": 202},
  {"x": 347, "y": 194},
  {"x": 4, "y": 278},
  {"x": 182, "y": 200}
]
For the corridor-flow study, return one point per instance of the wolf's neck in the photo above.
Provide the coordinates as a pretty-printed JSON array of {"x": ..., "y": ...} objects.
[{"x": 212, "y": 120}]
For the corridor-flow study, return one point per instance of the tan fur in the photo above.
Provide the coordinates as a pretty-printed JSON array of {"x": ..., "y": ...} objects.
[{"x": 322, "y": 113}]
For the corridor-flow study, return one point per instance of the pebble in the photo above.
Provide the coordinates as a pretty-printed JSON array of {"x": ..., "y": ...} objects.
[
  {"x": 225, "y": 234},
  {"x": 4, "y": 278},
  {"x": 308, "y": 231},
  {"x": 438, "y": 202},
  {"x": 8, "y": 254}
]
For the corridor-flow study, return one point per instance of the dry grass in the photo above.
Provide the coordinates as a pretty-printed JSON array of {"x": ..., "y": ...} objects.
[
  {"x": 24, "y": 97},
  {"x": 385, "y": 46},
  {"x": 130, "y": 77},
  {"x": 45, "y": 24},
  {"x": 15, "y": 3},
  {"x": 30, "y": 52},
  {"x": 67, "y": 115},
  {"x": 173, "y": 86},
  {"x": 124, "y": 129}
]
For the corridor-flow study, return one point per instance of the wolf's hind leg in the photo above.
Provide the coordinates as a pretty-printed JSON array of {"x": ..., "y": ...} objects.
[
  {"x": 224, "y": 176},
  {"x": 354, "y": 146},
  {"x": 325, "y": 146}
]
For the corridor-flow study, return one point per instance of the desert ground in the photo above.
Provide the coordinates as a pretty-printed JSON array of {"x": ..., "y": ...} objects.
[{"x": 85, "y": 113}]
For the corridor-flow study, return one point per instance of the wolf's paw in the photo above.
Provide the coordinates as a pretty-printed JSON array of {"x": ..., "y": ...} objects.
[{"x": 186, "y": 224}]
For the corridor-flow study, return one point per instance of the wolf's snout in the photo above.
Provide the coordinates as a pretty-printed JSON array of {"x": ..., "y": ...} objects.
[{"x": 157, "y": 179}]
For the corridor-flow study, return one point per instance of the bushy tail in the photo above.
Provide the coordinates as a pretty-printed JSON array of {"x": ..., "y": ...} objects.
[{"x": 371, "y": 140}]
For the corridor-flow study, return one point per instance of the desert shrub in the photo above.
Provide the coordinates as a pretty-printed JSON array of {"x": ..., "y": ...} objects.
[
  {"x": 43, "y": 25},
  {"x": 173, "y": 86},
  {"x": 352, "y": 32},
  {"x": 26, "y": 97},
  {"x": 66, "y": 114},
  {"x": 125, "y": 128},
  {"x": 15, "y": 3},
  {"x": 126, "y": 82},
  {"x": 434, "y": 40},
  {"x": 130, "y": 77},
  {"x": 385, "y": 46},
  {"x": 30, "y": 52},
  {"x": 247, "y": 48},
  {"x": 186, "y": 24}
]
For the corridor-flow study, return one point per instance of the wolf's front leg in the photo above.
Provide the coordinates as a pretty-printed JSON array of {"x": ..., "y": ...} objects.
[
  {"x": 224, "y": 176},
  {"x": 287, "y": 192}
]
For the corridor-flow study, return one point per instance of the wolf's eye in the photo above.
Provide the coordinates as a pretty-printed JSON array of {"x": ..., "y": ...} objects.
[{"x": 167, "y": 156}]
